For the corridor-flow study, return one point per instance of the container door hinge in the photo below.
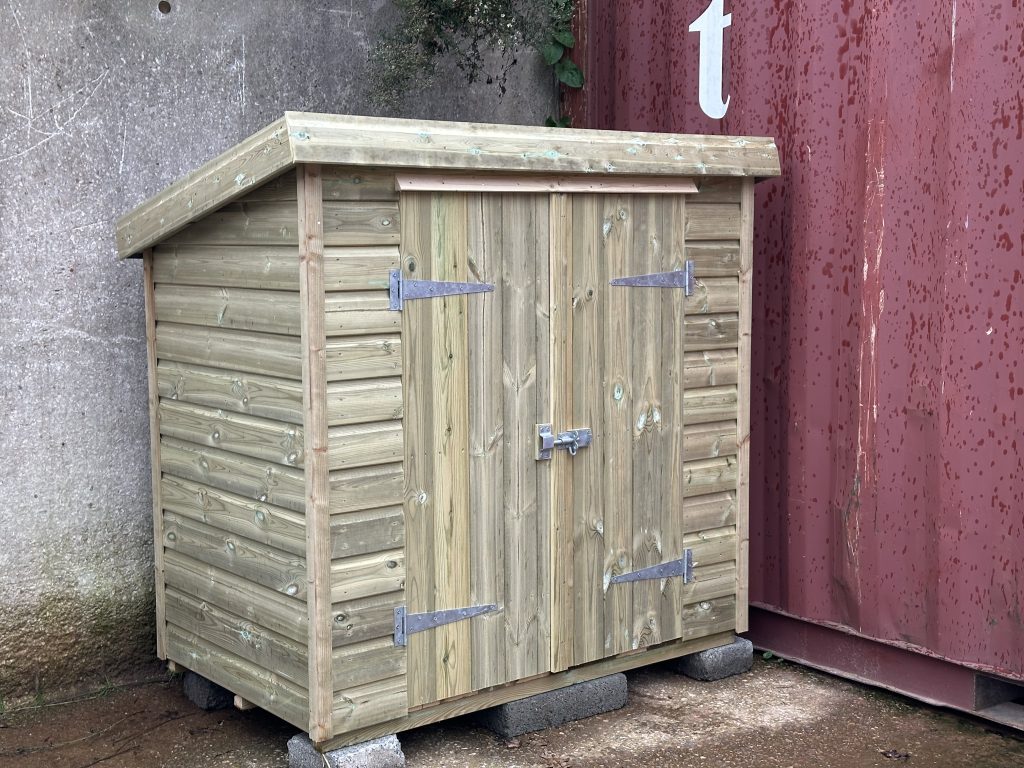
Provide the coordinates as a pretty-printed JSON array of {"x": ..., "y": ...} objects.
[
  {"x": 410, "y": 623},
  {"x": 401, "y": 289},
  {"x": 679, "y": 278},
  {"x": 681, "y": 567}
]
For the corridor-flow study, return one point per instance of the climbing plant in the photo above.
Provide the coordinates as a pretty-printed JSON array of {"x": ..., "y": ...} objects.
[{"x": 465, "y": 31}]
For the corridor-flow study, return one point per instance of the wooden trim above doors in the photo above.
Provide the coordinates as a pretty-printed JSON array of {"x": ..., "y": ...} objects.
[{"x": 465, "y": 182}]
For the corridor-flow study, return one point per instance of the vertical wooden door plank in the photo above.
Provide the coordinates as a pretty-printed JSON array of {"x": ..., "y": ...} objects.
[
  {"x": 672, "y": 215},
  {"x": 585, "y": 372},
  {"x": 154, "y": 453},
  {"x": 487, "y": 479},
  {"x": 615, "y": 227},
  {"x": 542, "y": 391},
  {"x": 420, "y": 502},
  {"x": 743, "y": 416},
  {"x": 559, "y": 474},
  {"x": 449, "y": 379},
  {"x": 314, "y": 406}
]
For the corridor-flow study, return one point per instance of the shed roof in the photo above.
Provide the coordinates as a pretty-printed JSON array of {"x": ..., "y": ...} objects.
[{"x": 302, "y": 137}]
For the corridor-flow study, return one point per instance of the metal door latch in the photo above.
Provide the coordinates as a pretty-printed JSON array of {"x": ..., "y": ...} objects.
[{"x": 571, "y": 440}]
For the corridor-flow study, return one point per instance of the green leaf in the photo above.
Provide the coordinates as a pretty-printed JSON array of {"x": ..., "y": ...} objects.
[
  {"x": 564, "y": 36},
  {"x": 565, "y": 121},
  {"x": 551, "y": 52},
  {"x": 549, "y": 121},
  {"x": 569, "y": 73},
  {"x": 767, "y": 655}
]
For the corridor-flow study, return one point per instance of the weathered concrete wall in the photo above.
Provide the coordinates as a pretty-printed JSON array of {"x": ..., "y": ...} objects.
[{"x": 102, "y": 105}]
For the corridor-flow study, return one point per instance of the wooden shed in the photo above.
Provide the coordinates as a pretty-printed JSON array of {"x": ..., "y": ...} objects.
[{"x": 444, "y": 414}]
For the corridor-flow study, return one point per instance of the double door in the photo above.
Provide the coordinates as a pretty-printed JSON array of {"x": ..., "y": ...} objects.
[{"x": 549, "y": 559}]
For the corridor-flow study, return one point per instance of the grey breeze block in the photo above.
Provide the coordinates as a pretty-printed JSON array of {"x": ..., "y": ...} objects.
[
  {"x": 717, "y": 663},
  {"x": 546, "y": 710},
  {"x": 204, "y": 693},
  {"x": 384, "y": 752}
]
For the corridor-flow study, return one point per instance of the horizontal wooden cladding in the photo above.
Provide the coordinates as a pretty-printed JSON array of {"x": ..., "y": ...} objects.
[
  {"x": 714, "y": 259},
  {"x": 348, "y": 358},
  {"x": 362, "y": 445},
  {"x": 262, "y": 267},
  {"x": 261, "y": 564},
  {"x": 370, "y": 704},
  {"x": 711, "y": 331},
  {"x": 712, "y": 221},
  {"x": 360, "y": 223},
  {"x": 360, "y": 312},
  {"x": 495, "y": 182},
  {"x": 272, "y": 267},
  {"x": 354, "y": 621},
  {"x": 243, "y": 351},
  {"x": 713, "y": 510},
  {"x": 245, "y": 435},
  {"x": 719, "y": 189},
  {"x": 339, "y": 183},
  {"x": 252, "y": 394},
  {"x": 266, "y": 689},
  {"x": 367, "y": 662},
  {"x": 710, "y": 475},
  {"x": 710, "y": 404},
  {"x": 255, "y": 520},
  {"x": 243, "y": 309},
  {"x": 708, "y": 617},
  {"x": 250, "y": 478},
  {"x": 367, "y": 531},
  {"x": 715, "y": 546},
  {"x": 714, "y": 294},
  {"x": 710, "y": 368},
  {"x": 362, "y": 401},
  {"x": 260, "y": 605},
  {"x": 710, "y": 581},
  {"x": 707, "y": 441},
  {"x": 258, "y": 645},
  {"x": 366, "y": 488},
  {"x": 367, "y": 575}
]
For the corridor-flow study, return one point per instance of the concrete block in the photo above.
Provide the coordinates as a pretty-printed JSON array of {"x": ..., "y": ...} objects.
[
  {"x": 546, "y": 710},
  {"x": 385, "y": 752},
  {"x": 206, "y": 694},
  {"x": 717, "y": 663}
]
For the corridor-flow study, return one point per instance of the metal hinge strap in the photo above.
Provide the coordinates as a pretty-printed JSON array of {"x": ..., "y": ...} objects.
[
  {"x": 681, "y": 567},
  {"x": 679, "y": 278},
  {"x": 410, "y": 623},
  {"x": 402, "y": 289}
]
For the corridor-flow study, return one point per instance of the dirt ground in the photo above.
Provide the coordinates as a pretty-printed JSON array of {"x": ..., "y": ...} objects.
[{"x": 777, "y": 716}]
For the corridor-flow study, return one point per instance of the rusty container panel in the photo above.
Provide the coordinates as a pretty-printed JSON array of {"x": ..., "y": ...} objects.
[{"x": 887, "y": 488}]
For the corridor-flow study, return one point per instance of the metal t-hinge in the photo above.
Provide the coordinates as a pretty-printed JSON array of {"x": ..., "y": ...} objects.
[
  {"x": 410, "y": 623},
  {"x": 402, "y": 289},
  {"x": 681, "y": 567},
  {"x": 679, "y": 278},
  {"x": 571, "y": 440}
]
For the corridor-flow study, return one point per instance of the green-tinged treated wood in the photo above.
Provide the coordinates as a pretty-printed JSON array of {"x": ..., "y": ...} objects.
[
  {"x": 369, "y": 704},
  {"x": 250, "y": 436},
  {"x": 262, "y": 396},
  {"x": 714, "y": 546},
  {"x": 242, "y": 223},
  {"x": 714, "y": 510},
  {"x": 714, "y": 259},
  {"x": 712, "y": 221},
  {"x": 364, "y": 357},
  {"x": 263, "y": 267},
  {"x": 239, "y": 308},
  {"x": 261, "y": 605},
  {"x": 258, "y": 645},
  {"x": 743, "y": 419},
  {"x": 259, "y": 480},
  {"x": 366, "y": 531},
  {"x": 153, "y": 392},
  {"x": 710, "y": 368},
  {"x": 368, "y": 400},
  {"x": 366, "y": 487},
  {"x": 351, "y": 313},
  {"x": 360, "y": 223},
  {"x": 311, "y": 225},
  {"x": 261, "y": 564},
  {"x": 264, "y": 688},
  {"x": 708, "y": 332},
  {"x": 367, "y": 662},
  {"x": 703, "y": 441},
  {"x": 367, "y": 575},
  {"x": 365, "y": 268},
  {"x": 363, "y": 445},
  {"x": 370, "y": 618},
  {"x": 339, "y": 183},
  {"x": 231, "y": 350},
  {"x": 710, "y": 581},
  {"x": 710, "y": 475},
  {"x": 525, "y": 688},
  {"x": 710, "y": 404},
  {"x": 237, "y": 171},
  {"x": 711, "y": 295},
  {"x": 255, "y": 520}
]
